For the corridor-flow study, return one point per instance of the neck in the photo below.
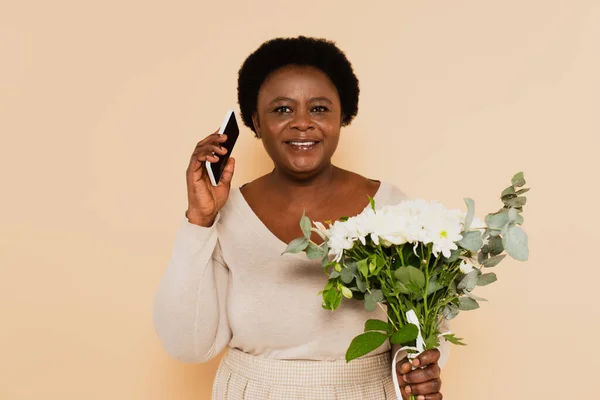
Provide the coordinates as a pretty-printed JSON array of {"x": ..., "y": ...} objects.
[{"x": 305, "y": 190}]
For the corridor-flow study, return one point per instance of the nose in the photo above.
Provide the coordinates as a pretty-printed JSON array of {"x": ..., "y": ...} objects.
[{"x": 301, "y": 121}]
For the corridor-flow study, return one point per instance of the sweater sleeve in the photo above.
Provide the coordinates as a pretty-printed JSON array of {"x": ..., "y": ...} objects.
[{"x": 189, "y": 310}]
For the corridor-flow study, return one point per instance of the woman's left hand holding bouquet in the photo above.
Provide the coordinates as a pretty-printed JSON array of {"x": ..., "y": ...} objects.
[{"x": 423, "y": 382}]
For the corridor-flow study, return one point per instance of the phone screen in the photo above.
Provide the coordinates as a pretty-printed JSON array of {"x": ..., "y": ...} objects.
[{"x": 232, "y": 131}]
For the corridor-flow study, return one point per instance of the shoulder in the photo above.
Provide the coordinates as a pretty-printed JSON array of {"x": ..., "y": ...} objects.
[{"x": 390, "y": 194}]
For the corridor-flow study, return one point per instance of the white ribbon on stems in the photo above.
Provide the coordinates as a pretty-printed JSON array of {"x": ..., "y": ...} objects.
[{"x": 414, "y": 352}]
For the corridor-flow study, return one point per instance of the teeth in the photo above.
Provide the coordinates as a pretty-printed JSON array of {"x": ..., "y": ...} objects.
[{"x": 302, "y": 143}]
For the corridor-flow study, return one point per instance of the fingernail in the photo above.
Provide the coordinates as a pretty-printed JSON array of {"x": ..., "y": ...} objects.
[
  {"x": 405, "y": 377},
  {"x": 420, "y": 397},
  {"x": 407, "y": 389},
  {"x": 416, "y": 362}
]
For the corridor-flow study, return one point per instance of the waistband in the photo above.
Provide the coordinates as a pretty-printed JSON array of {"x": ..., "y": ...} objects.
[{"x": 308, "y": 372}]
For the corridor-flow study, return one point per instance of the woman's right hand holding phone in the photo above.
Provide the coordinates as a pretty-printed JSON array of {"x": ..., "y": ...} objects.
[{"x": 204, "y": 199}]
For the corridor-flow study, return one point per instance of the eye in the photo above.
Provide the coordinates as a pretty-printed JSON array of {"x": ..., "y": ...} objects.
[
  {"x": 283, "y": 110},
  {"x": 319, "y": 109}
]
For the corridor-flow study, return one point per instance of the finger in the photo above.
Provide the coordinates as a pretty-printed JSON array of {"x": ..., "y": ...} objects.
[
  {"x": 228, "y": 172},
  {"x": 403, "y": 366},
  {"x": 435, "y": 396},
  {"x": 429, "y": 387},
  {"x": 420, "y": 375},
  {"x": 214, "y": 138},
  {"x": 427, "y": 357}
]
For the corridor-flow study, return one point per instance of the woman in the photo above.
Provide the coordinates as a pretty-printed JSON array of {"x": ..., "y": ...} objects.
[{"x": 228, "y": 284}]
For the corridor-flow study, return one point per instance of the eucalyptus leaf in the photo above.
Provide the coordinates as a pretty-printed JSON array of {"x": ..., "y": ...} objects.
[
  {"x": 512, "y": 214},
  {"x": 467, "y": 304},
  {"x": 346, "y": 275},
  {"x": 377, "y": 325},
  {"x": 305, "y": 225},
  {"x": 469, "y": 281},
  {"x": 493, "y": 261},
  {"x": 297, "y": 245},
  {"x": 405, "y": 334},
  {"x": 497, "y": 220},
  {"x": 313, "y": 251},
  {"x": 470, "y": 213},
  {"x": 371, "y": 299},
  {"x": 481, "y": 256},
  {"x": 471, "y": 241},
  {"x": 335, "y": 274},
  {"x": 472, "y": 296},
  {"x": 360, "y": 284},
  {"x": 364, "y": 344},
  {"x": 486, "y": 279},
  {"x": 454, "y": 254},
  {"x": 516, "y": 202},
  {"x": 522, "y": 191},
  {"x": 516, "y": 243},
  {"x": 518, "y": 180},
  {"x": 495, "y": 245},
  {"x": 508, "y": 191},
  {"x": 450, "y": 311},
  {"x": 410, "y": 274}
]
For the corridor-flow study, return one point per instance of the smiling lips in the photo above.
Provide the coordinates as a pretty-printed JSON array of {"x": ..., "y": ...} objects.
[{"x": 303, "y": 145}]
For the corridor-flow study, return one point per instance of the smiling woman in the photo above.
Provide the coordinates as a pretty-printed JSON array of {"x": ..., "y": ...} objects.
[{"x": 228, "y": 284}]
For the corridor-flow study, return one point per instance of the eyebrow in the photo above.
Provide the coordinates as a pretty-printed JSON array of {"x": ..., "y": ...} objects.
[{"x": 313, "y": 99}]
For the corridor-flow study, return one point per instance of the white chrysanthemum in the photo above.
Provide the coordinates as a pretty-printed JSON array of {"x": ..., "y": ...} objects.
[
  {"x": 466, "y": 266},
  {"x": 410, "y": 221}
]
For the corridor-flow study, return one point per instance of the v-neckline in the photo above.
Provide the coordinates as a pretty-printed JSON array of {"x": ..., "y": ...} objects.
[{"x": 261, "y": 229}]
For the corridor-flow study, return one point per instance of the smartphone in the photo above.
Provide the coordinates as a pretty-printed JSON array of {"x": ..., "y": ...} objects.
[{"x": 230, "y": 128}]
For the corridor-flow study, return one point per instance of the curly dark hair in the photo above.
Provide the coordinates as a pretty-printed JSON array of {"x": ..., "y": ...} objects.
[{"x": 304, "y": 51}]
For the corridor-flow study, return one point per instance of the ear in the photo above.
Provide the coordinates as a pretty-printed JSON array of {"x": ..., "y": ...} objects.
[{"x": 256, "y": 124}]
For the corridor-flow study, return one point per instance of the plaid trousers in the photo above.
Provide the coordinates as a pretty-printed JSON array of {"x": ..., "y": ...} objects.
[{"x": 242, "y": 376}]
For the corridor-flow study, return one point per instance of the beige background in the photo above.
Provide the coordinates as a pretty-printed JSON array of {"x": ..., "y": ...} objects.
[{"x": 102, "y": 102}]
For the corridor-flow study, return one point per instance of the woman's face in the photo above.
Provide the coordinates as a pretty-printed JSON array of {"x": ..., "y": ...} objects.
[{"x": 298, "y": 119}]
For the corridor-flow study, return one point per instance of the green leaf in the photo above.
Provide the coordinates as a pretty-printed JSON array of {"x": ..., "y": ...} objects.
[
  {"x": 305, "y": 225},
  {"x": 432, "y": 342},
  {"x": 346, "y": 292},
  {"x": 467, "y": 304},
  {"x": 344, "y": 219},
  {"x": 469, "y": 281},
  {"x": 518, "y": 180},
  {"x": 470, "y": 213},
  {"x": 377, "y": 325},
  {"x": 516, "y": 202},
  {"x": 516, "y": 243},
  {"x": 401, "y": 288},
  {"x": 522, "y": 191},
  {"x": 497, "y": 220},
  {"x": 331, "y": 299},
  {"x": 334, "y": 274},
  {"x": 346, "y": 275},
  {"x": 372, "y": 203},
  {"x": 493, "y": 261},
  {"x": 296, "y": 245},
  {"x": 481, "y": 256},
  {"x": 364, "y": 344},
  {"x": 410, "y": 274},
  {"x": 363, "y": 267},
  {"x": 405, "y": 334},
  {"x": 471, "y": 241},
  {"x": 314, "y": 252},
  {"x": 486, "y": 279},
  {"x": 454, "y": 340}
]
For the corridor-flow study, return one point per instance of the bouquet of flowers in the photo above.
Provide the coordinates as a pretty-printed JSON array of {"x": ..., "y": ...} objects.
[{"x": 417, "y": 260}]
